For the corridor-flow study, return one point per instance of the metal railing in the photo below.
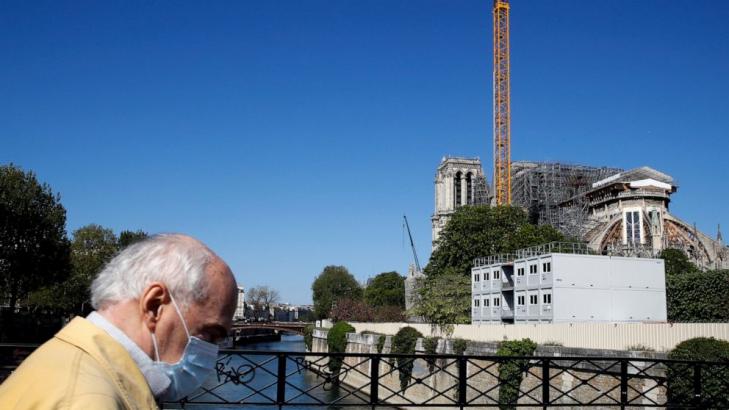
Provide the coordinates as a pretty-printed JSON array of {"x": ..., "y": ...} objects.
[
  {"x": 555, "y": 247},
  {"x": 330, "y": 380},
  {"x": 390, "y": 380}
]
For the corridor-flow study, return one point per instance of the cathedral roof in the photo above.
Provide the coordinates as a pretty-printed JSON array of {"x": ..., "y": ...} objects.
[{"x": 635, "y": 175}]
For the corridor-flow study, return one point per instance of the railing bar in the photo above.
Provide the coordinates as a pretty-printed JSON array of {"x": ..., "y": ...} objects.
[
  {"x": 374, "y": 381},
  {"x": 697, "y": 385},
  {"x": 545, "y": 383}
]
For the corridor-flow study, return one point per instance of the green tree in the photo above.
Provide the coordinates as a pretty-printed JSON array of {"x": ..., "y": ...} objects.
[
  {"x": 332, "y": 284},
  {"x": 475, "y": 231},
  {"x": 445, "y": 300},
  {"x": 386, "y": 289},
  {"x": 677, "y": 262},
  {"x": 127, "y": 238},
  {"x": 92, "y": 247},
  {"x": 34, "y": 249}
]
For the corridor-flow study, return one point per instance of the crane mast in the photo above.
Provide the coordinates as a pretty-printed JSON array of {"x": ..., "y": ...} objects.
[
  {"x": 412, "y": 244},
  {"x": 502, "y": 104}
]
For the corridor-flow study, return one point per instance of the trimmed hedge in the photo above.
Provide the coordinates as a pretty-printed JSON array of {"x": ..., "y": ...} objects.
[
  {"x": 337, "y": 343},
  {"x": 381, "y": 343},
  {"x": 713, "y": 378},
  {"x": 430, "y": 345},
  {"x": 404, "y": 343},
  {"x": 512, "y": 371},
  {"x": 308, "y": 336},
  {"x": 698, "y": 296}
]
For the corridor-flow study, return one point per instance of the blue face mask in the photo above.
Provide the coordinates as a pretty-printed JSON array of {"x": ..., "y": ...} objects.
[{"x": 197, "y": 362}]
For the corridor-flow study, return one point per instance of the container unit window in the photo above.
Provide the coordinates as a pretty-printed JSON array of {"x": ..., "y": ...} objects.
[
  {"x": 486, "y": 302},
  {"x": 497, "y": 301},
  {"x": 533, "y": 269},
  {"x": 520, "y": 272},
  {"x": 497, "y": 274},
  {"x": 547, "y": 267},
  {"x": 476, "y": 303},
  {"x": 477, "y": 277},
  {"x": 546, "y": 298},
  {"x": 520, "y": 300},
  {"x": 533, "y": 299}
]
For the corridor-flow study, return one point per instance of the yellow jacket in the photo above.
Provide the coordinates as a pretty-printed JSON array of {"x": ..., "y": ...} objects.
[{"x": 81, "y": 367}]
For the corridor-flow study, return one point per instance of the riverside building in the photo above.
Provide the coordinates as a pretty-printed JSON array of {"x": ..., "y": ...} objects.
[{"x": 567, "y": 282}]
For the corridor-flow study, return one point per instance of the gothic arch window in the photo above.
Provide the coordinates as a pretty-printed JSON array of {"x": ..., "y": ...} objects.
[
  {"x": 457, "y": 188},
  {"x": 469, "y": 189}
]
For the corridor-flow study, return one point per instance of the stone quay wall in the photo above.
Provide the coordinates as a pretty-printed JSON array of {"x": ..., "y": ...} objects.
[{"x": 440, "y": 387}]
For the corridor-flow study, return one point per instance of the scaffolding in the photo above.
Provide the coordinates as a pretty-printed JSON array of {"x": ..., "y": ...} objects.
[
  {"x": 481, "y": 193},
  {"x": 542, "y": 188}
]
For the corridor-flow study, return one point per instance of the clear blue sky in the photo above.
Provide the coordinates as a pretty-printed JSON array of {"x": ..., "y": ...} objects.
[{"x": 290, "y": 135}]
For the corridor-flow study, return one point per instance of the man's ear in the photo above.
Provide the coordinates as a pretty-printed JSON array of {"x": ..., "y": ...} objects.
[{"x": 154, "y": 296}]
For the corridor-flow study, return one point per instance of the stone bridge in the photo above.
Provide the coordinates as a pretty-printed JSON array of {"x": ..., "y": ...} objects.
[{"x": 292, "y": 327}]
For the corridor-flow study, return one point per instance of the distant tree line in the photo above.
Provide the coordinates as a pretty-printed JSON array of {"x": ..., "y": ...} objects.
[
  {"x": 44, "y": 275},
  {"x": 338, "y": 295}
]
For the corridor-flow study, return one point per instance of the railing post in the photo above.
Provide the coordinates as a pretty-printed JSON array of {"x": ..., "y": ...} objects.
[
  {"x": 281, "y": 380},
  {"x": 545, "y": 382},
  {"x": 374, "y": 381},
  {"x": 697, "y": 384},
  {"x": 462, "y": 380},
  {"x": 623, "y": 383}
]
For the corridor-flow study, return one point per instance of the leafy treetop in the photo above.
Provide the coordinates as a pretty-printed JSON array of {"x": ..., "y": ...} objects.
[
  {"x": 386, "y": 289},
  {"x": 332, "y": 284},
  {"x": 34, "y": 249},
  {"x": 445, "y": 300},
  {"x": 475, "y": 231},
  {"x": 127, "y": 238},
  {"x": 677, "y": 262}
]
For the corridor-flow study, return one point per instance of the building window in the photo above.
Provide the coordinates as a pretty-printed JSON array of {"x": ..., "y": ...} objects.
[
  {"x": 486, "y": 276},
  {"x": 497, "y": 301},
  {"x": 476, "y": 302},
  {"x": 457, "y": 186},
  {"x": 632, "y": 227},
  {"x": 469, "y": 189},
  {"x": 477, "y": 278},
  {"x": 486, "y": 302},
  {"x": 547, "y": 298},
  {"x": 532, "y": 269},
  {"x": 520, "y": 300},
  {"x": 520, "y": 272},
  {"x": 547, "y": 267},
  {"x": 497, "y": 274},
  {"x": 533, "y": 299}
]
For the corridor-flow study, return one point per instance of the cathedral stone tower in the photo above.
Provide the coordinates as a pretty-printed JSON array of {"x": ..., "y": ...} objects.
[{"x": 458, "y": 181}]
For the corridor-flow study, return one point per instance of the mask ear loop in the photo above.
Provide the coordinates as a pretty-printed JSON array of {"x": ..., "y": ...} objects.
[
  {"x": 180, "y": 314},
  {"x": 156, "y": 350}
]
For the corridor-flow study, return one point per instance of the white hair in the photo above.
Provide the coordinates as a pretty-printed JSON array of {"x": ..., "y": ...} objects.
[{"x": 178, "y": 261}]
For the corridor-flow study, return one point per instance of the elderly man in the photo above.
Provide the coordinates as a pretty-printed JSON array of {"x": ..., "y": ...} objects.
[{"x": 161, "y": 305}]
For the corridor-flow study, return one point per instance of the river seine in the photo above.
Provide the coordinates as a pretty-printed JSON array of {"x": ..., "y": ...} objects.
[{"x": 266, "y": 382}]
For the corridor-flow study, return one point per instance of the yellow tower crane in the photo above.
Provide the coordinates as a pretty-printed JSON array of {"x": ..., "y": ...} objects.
[{"x": 502, "y": 104}]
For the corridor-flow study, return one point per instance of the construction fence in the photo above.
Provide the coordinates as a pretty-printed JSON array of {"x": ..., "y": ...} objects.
[{"x": 660, "y": 337}]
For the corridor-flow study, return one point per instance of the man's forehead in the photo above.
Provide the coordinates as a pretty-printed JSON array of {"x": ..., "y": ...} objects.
[{"x": 221, "y": 293}]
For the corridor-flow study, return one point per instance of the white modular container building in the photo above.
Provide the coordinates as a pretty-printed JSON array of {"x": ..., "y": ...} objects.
[{"x": 555, "y": 287}]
